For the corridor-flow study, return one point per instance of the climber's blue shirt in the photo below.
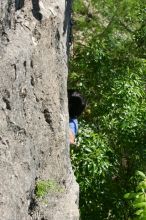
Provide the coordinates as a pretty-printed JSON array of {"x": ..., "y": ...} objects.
[{"x": 73, "y": 124}]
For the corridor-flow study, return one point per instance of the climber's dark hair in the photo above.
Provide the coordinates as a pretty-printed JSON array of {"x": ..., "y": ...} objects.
[{"x": 76, "y": 103}]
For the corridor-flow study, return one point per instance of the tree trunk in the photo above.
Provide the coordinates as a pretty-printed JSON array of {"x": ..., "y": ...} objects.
[{"x": 34, "y": 146}]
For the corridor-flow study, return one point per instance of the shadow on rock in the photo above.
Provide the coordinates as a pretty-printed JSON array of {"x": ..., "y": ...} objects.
[
  {"x": 19, "y": 4},
  {"x": 36, "y": 10}
]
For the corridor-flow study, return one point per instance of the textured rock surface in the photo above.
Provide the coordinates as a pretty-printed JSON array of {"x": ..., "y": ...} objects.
[{"x": 33, "y": 109}]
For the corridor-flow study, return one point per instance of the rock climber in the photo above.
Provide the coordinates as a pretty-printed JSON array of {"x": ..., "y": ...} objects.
[{"x": 76, "y": 105}]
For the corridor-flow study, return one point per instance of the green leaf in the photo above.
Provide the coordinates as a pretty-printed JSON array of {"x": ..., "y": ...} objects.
[
  {"x": 140, "y": 205},
  {"x": 139, "y": 212},
  {"x": 141, "y": 174},
  {"x": 129, "y": 195}
]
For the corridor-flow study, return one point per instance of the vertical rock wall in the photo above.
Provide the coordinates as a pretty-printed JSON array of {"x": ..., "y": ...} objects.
[{"x": 33, "y": 107}]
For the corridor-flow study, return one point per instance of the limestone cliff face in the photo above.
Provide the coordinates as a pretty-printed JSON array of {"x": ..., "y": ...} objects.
[{"x": 33, "y": 111}]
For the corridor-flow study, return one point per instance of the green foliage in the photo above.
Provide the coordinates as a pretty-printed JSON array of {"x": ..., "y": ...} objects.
[
  {"x": 80, "y": 7},
  {"x": 137, "y": 199},
  {"x": 43, "y": 187},
  {"x": 108, "y": 66},
  {"x": 95, "y": 164}
]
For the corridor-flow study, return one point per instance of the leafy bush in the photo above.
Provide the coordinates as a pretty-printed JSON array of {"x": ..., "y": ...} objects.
[
  {"x": 95, "y": 165},
  {"x": 108, "y": 66},
  {"x": 137, "y": 199}
]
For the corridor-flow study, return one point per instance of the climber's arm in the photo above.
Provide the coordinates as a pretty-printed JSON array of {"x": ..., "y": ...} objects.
[{"x": 71, "y": 137}]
